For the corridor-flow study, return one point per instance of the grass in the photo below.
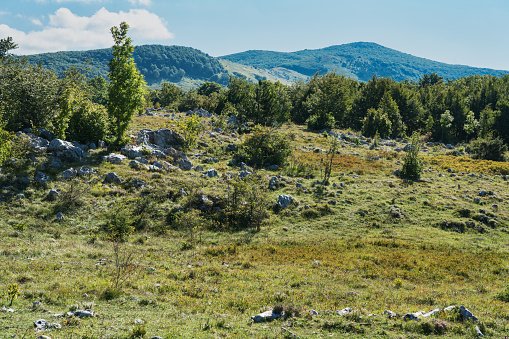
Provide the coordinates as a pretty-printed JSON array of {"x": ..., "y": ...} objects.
[{"x": 371, "y": 242}]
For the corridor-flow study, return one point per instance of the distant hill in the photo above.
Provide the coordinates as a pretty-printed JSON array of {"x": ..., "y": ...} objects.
[
  {"x": 360, "y": 60},
  {"x": 181, "y": 65},
  {"x": 189, "y": 67}
]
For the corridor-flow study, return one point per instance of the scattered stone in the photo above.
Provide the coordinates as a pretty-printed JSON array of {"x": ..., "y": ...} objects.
[
  {"x": 266, "y": 316},
  {"x": 41, "y": 178},
  {"x": 65, "y": 149},
  {"x": 42, "y": 324},
  {"x": 211, "y": 173},
  {"x": 478, "y": 331},
  {"x": 135, "y": 164},
  {"x": 197, "y": 168},
  {"x": 413, "y": 316},
  {"x": 231, "y": 148},
  {"x": 467, "y": 314},
  {"x": 449, "y": 308},
  {"x": 60, "y": 216},
  {"x": 53, "y": 194},
  {"x": 390, "y": 314},
  {"x": 92, "y": 146},
  {"x": 137, "y": 183},
  {"x": 81, "y": 313},
  {"x": 284, "y": 201},
  {"x": 85, "y": 171},
  {"x": 164, "y": 137},
  {"x": 244, "y": 174},
  {"x": 273, "y": 167},
  {"x": 345, "y": 311},
  {"x": 8, "y": 310},
  {"x": 115, "y": 158},
  {"x": 184, "y": 164},
  {"x": 112, "y": 178},
  {"x": 69, "y": 174},
  {"x": 273, "y": 183},
  {"x": 288, "y": 333}
]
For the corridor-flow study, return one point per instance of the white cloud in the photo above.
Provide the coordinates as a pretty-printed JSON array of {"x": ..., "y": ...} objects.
[
  {"x": 68, "y": 31},
  {"x": 36, "y": 22}
]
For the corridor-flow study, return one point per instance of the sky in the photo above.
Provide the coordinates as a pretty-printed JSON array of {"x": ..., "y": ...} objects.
[{"x": 463, "y": 32}]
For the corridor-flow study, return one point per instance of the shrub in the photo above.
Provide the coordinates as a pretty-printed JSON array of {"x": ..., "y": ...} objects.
[
  {"x": 246, "y": 204},
  {"x": 189, "y": 128},
  {"x": 265, "y": 146},
  {"x": 412, "y": 163},
  {"x": 320, "y": 121},
  {"x": 488, "y": 149}
]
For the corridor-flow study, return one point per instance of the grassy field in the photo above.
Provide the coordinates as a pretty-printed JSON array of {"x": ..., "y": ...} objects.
[{"x": 369, "y": 241}]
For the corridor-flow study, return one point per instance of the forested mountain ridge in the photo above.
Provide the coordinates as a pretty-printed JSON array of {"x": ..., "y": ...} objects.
[
  {"x": 188, "y": 67},
  {"x": 360, "y": 60},
  {"x": 156, "y": 62}
]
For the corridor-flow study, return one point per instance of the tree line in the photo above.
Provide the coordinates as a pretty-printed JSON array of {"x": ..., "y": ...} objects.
[{"x": 449, "y": 111}]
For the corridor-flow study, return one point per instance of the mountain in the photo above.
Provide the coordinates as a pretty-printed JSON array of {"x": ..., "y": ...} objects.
[
  {"x": 360, "y": 60},
  {"x": 181, "y": 65},
  {"x": 189, "y": 67}
]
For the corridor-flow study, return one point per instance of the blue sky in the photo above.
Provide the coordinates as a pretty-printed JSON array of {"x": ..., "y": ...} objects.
[{"x": 459, "y": 32}]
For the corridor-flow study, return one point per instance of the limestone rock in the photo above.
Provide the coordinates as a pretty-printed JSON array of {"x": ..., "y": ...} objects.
[
  {"x": 69, "y": 173},
  {"x": 284, "y": 201},
  {"x": 211, "y": 173},
  {"x": 266, "y": 316},
  {"x": 112, "y": 178},
  {"x": 466, "y": 314},
  {"x": 163, "y": 137},
  {"x": 41, "y": 178},
  {"x": 115, "y": 158}
]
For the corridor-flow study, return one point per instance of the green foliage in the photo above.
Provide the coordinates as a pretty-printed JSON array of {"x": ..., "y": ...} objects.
[
  {"x": 376, "y": 122},
  {"x": 488, "y": 149},
  {"x": 265, "y": 146},
  {"x": 208, "y": 87},
  {"x": 12, "y": 293},
  {"x": 99, "y": 90},
  {"x": 29, "y": 94},
  {"x": 412, "y": 163},
  {"x": 189, "y": 128},
  {"x": 5, "y": 142},
  {"x": 126, "y": 83},
  {"x": 320, "y": 121},
  {"x": 246, "y": 204},
  {"x": 118, "y": 222}
]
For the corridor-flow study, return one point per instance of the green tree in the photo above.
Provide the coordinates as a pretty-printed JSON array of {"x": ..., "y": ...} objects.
[
  {"x": 446, "y": 120},
  {"x": 470, "y": 124},
  {"x": 99, "y": 90},
  {"x": 412, "y": 163},
  {"x": 5, "y": 46},
  {"x": 271, "y": 103},
  {"x": 208, "y": 87},
  {"x": 126, "y": 83}
]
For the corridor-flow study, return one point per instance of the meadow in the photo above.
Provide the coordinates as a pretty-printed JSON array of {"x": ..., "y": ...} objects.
[{"x": 369, "y": 240}]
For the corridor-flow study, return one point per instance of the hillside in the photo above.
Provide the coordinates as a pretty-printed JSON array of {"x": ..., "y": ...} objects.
[
  {"x": 359, "y": 257},
  {"x": 188, "y": 67},
  {"x": 177, "y": 64},
  {"x": 360, "y": 60}
]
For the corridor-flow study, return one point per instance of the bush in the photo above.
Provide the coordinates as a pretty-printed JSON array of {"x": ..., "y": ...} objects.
[
  {"x": 317, "y": 122},
  {"x": 265, "y": 146},
  {"x": 488, "y": 149},
  {"x": 412, "y": 164}
]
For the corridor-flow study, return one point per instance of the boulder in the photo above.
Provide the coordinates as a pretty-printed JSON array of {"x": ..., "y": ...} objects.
[
  {"x": 184, "y": 164},
  {"x": 69, "y": 173},
  {"x": 64, "y": 149},
  {"x": 115, "y": 158},
  {"x": 86, "y": 171},
  {"x": 211, "y": 173},
  {"x": 466, "y": 314},
  {"x": 41, "y": 178},
  {"x": 112, "y": 178},
  {"x": 266, "y": 316},
  {"x": 284, "y": 201},
  {"x": 163, "y": 137},
  {"x": 132, "y": 152}
]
